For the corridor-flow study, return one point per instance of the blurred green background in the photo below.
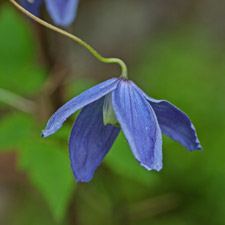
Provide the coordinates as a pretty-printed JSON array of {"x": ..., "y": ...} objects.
[{"x": 174, "y": 50}]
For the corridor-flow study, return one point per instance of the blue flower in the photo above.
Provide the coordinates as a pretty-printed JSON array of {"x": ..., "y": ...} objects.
[
  {"x": 121, "y": 103},
  {"x": 62, "y": 12}
]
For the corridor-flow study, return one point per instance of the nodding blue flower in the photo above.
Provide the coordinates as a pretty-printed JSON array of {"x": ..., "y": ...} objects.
[
  {"x": 119, "y": 104},
  {"x": 62, "y": 12}
]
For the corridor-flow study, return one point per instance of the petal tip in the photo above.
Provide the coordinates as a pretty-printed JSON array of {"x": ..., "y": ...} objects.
[
  {"x": 146, "y": 167},
  {"x": 157, "y": 167},
  {"x": 45, "y": 133},
  {"x": 197, "y": 148},
  {"x": 83, "y": 179}
]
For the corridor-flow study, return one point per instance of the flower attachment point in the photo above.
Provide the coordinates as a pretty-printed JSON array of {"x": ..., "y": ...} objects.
[{"x": 141, "y": 118}]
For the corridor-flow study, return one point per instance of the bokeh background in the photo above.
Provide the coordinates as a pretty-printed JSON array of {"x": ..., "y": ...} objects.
[{"x": 175, "y": 50}]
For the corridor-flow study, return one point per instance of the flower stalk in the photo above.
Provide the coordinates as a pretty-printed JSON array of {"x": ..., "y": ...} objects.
[{"x": 123, "y": 66}]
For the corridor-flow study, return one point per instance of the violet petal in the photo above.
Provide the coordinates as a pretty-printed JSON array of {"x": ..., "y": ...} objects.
[{"x": 90, "y": 141}]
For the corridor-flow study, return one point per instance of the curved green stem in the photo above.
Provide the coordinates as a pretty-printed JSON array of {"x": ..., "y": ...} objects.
[{"x": 78, "y": 40}]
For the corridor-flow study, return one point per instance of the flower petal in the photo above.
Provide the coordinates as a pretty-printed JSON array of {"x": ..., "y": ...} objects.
[
  {"x": 133, "y": 113},
  {"x": 90, "y": 141},
  {"x": 62, "y": 12},
  {"x": 85, "y": 98},
  {"x": 175, "y": 124},
  {"x": 33, "y": 6}
]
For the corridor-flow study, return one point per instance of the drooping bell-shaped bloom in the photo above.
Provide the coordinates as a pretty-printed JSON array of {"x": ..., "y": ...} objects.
[
  {"x": 62, "y": 12},
  {"x": 141, "y": 118}
]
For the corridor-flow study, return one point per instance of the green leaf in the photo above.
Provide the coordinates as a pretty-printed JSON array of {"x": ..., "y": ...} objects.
[
  {"x": 48, "y": 167},
  {"x": 14, "y": 128},
  {"x": 19, "y": 72}
]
